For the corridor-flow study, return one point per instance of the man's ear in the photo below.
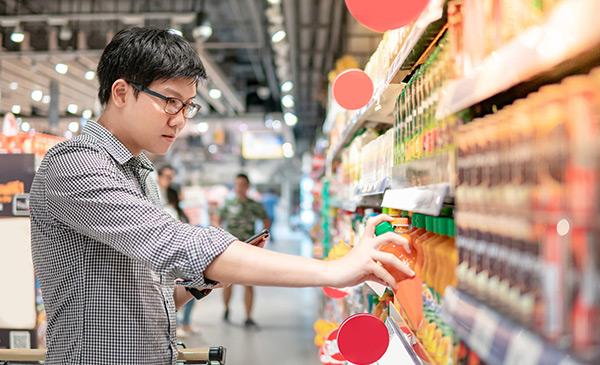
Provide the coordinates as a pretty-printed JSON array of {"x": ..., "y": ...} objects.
[{"x": 119, "y": 92}]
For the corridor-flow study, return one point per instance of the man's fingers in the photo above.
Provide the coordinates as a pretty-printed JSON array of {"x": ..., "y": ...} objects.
[
  {"x": 391, "y": 237},
  {"x": 374, "y": 221},
  {"x": 384, "y": 276},
  {"x": 389, "y": 259}
]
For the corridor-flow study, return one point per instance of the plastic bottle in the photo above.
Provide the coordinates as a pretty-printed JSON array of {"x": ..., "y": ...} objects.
[{"x": 395, "y": 249}]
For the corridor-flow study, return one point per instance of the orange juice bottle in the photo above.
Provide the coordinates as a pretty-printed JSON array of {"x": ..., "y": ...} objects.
[
  {"x": 395, "y": 249},
  {"x": 448, "y": 260},
  {"x": 429, "y": 250},
  {"x": 426, "y": 222}
]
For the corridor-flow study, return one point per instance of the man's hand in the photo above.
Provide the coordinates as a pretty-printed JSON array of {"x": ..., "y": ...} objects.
[{"x": 365, "y": 261}]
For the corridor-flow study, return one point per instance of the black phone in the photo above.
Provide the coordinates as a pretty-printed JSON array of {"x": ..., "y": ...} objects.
[{"x": 263, "y": 233}]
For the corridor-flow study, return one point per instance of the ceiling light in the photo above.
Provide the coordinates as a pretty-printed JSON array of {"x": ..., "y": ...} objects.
[
  {"x": 46, "y": 99},
  {"x": 17, "y": 35},
  {"x": 288, "y": 101},
  {"x": 274, "y": 2},
  {"x": 212, "y": 149},
  {"x": 203, "y": 29},
  {"x": 175, "y": 31},
  {"x": 87, "y": 114},
  {"x": 278, "y": 36},
  {"x": 25, "y": 127},
  {"x": 288, "y": 150},
  {"x": 37, "y": 95},
  {"x": 74, "y": 127},
  {"x": 65, "y": 33},
  {"x": 290, "y": 119},
  {"x": 13, "y": 86},
  {"x": 263, "y": 92},
  {"x": 202, "y": 127},
  {"x": 72, "y": 108},
  {"x": 215, "y": 93},
  {"x": 287, "y": 86},
  {"x": 276, "y": 124},
  {"x": 16, "y": 109},
  {"x": 90, "y": 75},
  {"x": 61, "y": 68}
]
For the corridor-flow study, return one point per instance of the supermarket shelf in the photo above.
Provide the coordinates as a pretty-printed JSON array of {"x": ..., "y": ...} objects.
[
  {"x": 380, "y": 109},
  {"x": 379, "y": 289},
  {"x": 376, "y": 188},
  {"x": 407, "y": 349},
  {"x": 570, "y": 31},
  {"x": 423, "y": 199},
  {"x": 496, "y": 339}
]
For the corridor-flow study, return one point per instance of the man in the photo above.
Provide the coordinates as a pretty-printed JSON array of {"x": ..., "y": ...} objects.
[
  {"x": 108, "y": 256},
  {"x": 238, "y": 217}
]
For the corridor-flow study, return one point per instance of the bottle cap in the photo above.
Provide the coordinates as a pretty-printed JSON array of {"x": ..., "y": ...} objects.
[
  {"x": 443, "y": 226},
  {"x": 383, "y": 227},
  {"x": 451, "y": 227},
  {"x": 394, "y": 212},
  {"x": 429, "y": 223}
]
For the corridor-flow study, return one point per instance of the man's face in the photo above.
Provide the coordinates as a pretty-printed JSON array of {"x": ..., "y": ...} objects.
[
  {"x": 165, "y": 179},
  {"x": 151, "y": 128},
  {"x": 241, "y": 187}
]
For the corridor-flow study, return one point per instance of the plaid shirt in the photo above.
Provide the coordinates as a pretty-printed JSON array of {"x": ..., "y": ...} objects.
[{"x": 107, "y": 255}]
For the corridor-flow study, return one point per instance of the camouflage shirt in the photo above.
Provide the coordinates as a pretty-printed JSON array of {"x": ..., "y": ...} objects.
[{"x": 238, "y": 217}]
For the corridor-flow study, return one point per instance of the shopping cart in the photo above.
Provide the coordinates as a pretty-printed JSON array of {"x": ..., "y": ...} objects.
[{"x": 207, "y": 356}]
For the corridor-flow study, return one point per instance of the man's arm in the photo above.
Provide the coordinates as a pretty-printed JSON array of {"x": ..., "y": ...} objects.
[{"x": 245, "y": 264}]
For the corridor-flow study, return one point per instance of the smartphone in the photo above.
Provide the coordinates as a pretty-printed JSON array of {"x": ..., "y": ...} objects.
[{"x": 254, "y": 239}]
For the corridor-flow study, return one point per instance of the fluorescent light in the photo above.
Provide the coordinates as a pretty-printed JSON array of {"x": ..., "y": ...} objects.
[
  {"x": 46, "y": 99},
  {"x": 17, "y": 35},
  {"x": 287, "y": 86},
  {"x": 13, "y": 86},
  {"x": 16, "y": 109},
  {"x": 215, "y": 93},
  {"x": 37, "y": 95},
  {"x": 202, "y": 127},
  {"x": 290, "y": 119},
  {"x": 74, "y": 127},
  {"x": 276, "y": 124},
  {"x": 72, "y": 108},
  {"x": 288, "y": 101},
  {"x": 278, "y": 36},
  {"x": 87, "y": 114},
  {"x": 90, "y": 75},
  {"x": 61, "y": 68},
  {"x": 288, "y": 150},
  {"x": 25, "y": 127}
]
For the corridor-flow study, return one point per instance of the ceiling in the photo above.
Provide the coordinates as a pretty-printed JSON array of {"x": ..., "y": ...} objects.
[{"x": 241, "y": 59}]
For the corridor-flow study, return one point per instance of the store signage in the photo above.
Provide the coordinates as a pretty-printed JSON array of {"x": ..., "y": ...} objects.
[{"x": 16, "y": 176}]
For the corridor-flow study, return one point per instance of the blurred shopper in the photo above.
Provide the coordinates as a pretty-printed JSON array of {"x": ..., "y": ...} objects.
[
  {"x": 166, "y": 175},
  {"x": 238, "y": 216},
  {"x": 112, "y": 264}
]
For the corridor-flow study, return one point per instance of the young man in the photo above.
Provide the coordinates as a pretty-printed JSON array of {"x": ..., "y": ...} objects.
[
  {"x": 238, "y": 216},
  {"x": 108, "y": 256}
]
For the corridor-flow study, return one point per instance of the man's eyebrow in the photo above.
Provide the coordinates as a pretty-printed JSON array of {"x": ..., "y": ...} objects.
[{"x": 177, "y": 94}]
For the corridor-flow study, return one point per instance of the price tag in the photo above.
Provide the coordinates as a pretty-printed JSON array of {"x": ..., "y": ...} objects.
[
  {"x": 524, "y": 349},
  {"x": 483, "y": 332},
  {"x": 377, "y": 288}
]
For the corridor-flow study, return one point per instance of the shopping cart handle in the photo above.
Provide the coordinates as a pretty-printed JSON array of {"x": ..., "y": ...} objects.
[{"x": 191, "y": 355}]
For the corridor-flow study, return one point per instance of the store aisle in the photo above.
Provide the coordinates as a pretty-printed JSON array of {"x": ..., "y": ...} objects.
[{"x": 285, "y": 317}]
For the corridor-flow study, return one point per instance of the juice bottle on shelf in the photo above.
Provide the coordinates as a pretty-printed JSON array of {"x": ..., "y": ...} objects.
[
  {"x": 420, "y": 246},
  {"x": 429, "y": 247},
  {"x": 396, "y": 250},
  {"x": 448, "y": 256}
]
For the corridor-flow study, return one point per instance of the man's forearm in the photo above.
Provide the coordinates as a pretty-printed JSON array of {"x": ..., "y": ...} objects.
[
  {"x": 244, "y": 264},
  {"x": 181, "y": 296}
]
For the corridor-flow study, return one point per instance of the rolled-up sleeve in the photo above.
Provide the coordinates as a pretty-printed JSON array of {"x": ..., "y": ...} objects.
[{"x": 95, "y": 200}]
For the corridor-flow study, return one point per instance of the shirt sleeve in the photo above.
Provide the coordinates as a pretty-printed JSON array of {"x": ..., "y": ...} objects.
[
  {"x": 260, "y": 211},
  {"x": 98, "y": 202}
]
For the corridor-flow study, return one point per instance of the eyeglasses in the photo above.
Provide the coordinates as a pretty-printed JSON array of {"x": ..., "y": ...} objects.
[{"x": 172, "y": 105}]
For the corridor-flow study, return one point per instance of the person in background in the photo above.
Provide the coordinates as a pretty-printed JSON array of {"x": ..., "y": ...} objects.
[
  {"x": 269, "y": 201},
  {"x": 238, "y": 216},
  {"x": 166, "y": 175}
]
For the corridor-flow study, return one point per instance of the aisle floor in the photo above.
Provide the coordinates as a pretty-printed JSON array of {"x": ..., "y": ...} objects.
[{"x": 285, "y": 317}]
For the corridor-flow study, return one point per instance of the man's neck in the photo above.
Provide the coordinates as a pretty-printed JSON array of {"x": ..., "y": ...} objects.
[
  {"x": 242, "y": 198},
  {"x": 113, "y": 124}
]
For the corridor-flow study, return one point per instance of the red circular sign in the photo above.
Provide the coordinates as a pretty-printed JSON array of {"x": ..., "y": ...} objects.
[
  {"x": 363, "y": 339},
  {"x": 382, "y": 15},
  {"x": 352, "y": 89}
]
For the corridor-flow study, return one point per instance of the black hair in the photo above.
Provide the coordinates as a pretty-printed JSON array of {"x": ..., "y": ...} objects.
[
  {"x": 163, "y": 168},
  {"x": 173, "y": 200},
  {"x": 144, "y": 55},
  {"x": 243, "y": 176}
]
